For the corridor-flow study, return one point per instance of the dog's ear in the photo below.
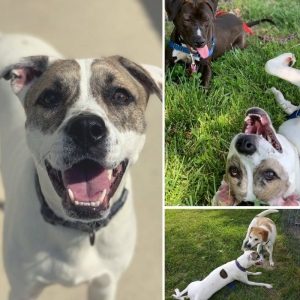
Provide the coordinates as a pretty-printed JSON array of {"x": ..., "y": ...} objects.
[
  {"x": 150, "y": 77},
  {"x": 172, "y": 8},
  {"x": 223, "y": 196},
  {"x": 264, "y": 234},
  {"x": 22, "y": 73},
  {"x": 213, "y": 5}
]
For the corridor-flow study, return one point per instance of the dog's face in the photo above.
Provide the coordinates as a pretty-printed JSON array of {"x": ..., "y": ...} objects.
[
  {"x": 260, "y": 163},
  {"x": 194, "y": 22},
  {"x": 257, "y": 236},
  {"x": 253, "y": 257},
  {"x": 85, "y": 125}
]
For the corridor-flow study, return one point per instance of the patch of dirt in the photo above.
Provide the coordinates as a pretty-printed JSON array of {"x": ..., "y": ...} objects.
[{"x": 279, "y": 39}]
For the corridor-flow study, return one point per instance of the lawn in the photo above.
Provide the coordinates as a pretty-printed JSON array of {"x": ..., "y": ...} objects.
[
  {"x": 200, "y": 124},
  {"x": 198, "y": 241}
]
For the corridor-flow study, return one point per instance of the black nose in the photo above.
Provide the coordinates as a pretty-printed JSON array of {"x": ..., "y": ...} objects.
[
  {"x": 245, "y": 144},
  {"x": 199, "y": 42},
  {"x": 248, "y": 246},
  {"x": 86, "y": 130}
]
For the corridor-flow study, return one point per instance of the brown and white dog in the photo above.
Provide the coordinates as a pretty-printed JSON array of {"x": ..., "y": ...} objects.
[
  {"x": 69, "y": 165},
  {"x": 262, "y": 164},
  {"x": 261, "y": 233},
  {"x": 199, "y": 36}
]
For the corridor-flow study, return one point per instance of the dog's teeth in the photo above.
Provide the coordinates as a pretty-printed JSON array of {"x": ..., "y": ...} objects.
[
  {"x": 97, "y": 203},
  {"x": 76, "y": 202},
  {"x": 93, "y": 204},
  {"x": 71, "y": 195},
  {"x": 102, "y": 196},
  {"x": 109, "y": 174}
]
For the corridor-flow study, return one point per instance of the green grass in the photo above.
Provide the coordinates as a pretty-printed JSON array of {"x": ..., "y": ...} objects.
[
  {"x": 200, "y": 124},
  {"x": 198, "y": 241}
]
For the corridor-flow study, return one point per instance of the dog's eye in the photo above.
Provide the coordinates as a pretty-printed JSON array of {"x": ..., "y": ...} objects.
[
  {"x": 269, "y": 175},
  {"x": 233, "y": 171},
  {"x": 256, "y": 239},
  {"x": 49, "y": 99},
  {"x": 122, "y": 97}
]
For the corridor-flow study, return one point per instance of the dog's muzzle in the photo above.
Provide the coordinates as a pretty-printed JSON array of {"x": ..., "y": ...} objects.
[{"x": 88, "y": 183}]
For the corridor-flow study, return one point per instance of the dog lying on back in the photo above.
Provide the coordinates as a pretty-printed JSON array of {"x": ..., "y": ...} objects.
[
  {"x": 200, "y": 37},
  {"x": 262, "y": 164}
]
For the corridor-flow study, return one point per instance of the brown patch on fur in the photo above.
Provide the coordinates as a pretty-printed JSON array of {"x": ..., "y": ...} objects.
[
  {"x": 266, "y": 190},
  {"x": 223, "y": 274},
  {"x": 263, "y": 221},
  {"x": 237, "y": 184},
  {"x": 257, "y": 231},
  {"x": 61, "y": 78},
  {"x": 108, "y": 75}
]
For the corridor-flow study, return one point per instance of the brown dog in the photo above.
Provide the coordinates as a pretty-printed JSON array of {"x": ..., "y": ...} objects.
[{"x": 199, "y": 36}]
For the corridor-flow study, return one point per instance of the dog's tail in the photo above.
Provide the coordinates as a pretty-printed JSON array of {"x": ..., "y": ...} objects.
[
  {"x": 179, "y": 295},
  {"x": 267, "y": 212},
  {"x": 256, "y": 22}
]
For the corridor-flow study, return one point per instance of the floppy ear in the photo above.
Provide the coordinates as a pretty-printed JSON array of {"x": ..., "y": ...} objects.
[
  {"x": 212, "y": 4},
  {"x": 23, "y": 73},
  {"x": 149, "y": 76},
  {"x": 264, "y": 234},
  {"x": 223, "y": 196},
  {"x": 172, "y": 8}
]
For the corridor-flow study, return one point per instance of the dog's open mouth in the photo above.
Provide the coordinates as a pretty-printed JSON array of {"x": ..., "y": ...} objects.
[
  {"x": 203, "y": 51},
  {"x": 257, "y": 122},
  {"x": 86, "y": 186}
]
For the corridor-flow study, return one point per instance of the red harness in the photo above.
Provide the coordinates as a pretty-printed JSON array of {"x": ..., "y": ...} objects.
[{"x": 246, "y": 28}]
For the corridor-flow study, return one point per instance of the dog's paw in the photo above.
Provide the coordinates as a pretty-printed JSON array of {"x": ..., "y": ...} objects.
[
  {"x": 269, "y": 286},
  {"x": 258, "y": 273},
  {"x": 290, "y": 60},
  {"x": 272, "y": 263}
]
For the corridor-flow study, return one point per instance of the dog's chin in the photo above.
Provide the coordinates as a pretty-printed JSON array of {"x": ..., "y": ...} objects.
[
  {"x": 257, "y": 122},
  {"x": 86, "y": 188}
]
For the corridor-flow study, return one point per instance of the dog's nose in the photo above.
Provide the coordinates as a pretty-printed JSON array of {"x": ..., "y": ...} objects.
[
  {"x": 86, "y": 129},
  {"x": 199, "y": 42},
  {"x": 245, "y": 144}
]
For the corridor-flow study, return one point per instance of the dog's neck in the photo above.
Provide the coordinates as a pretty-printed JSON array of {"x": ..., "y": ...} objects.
[
  {"x": 91, "y": 227},
  {"x": 239, "y": 266}
]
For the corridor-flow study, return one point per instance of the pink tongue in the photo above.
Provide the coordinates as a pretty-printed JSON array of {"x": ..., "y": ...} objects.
[
  {"x": 86, "y": 180},
  {"x": 203, "y": 52}
]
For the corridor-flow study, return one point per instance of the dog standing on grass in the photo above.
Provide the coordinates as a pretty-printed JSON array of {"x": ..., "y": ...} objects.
[
  {"x": 261, "y": 233},
  {"x": 66, "y": 149}
]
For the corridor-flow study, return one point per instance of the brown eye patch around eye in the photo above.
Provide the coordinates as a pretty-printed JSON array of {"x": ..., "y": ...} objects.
[{"x": 265, "y": 189}]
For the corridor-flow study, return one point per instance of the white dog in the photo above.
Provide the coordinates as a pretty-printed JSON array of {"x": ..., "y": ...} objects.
[
  {"x": 264, "y": 164},
  {"x": 261, "y": 233},
  {"x": 221, "y": 276},
  {"x": 69, "y": 214}
]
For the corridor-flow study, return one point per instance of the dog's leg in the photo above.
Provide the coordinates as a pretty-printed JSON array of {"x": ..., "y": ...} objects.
[
  {"x": 269, "y": 248},
  {"x": 253, "y": 273},
  {"x": 103, "y": 288},
  {"x": 286, "y": 105},
  {"x": 247, "y": 281},
  {"x": 27, "y": 293},
  {"x": 206, "y": 75}
]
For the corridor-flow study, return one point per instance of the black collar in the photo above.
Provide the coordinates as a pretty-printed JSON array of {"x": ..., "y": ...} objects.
[
  {"x": 90, "y": 227},
  {"x": 239, "y": 266}
]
